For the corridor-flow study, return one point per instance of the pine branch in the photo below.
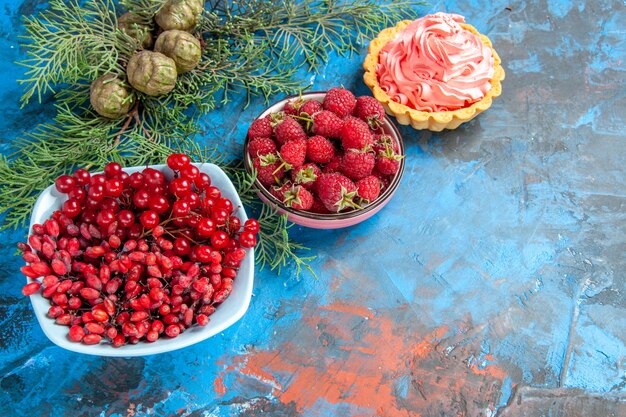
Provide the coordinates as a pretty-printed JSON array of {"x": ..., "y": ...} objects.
[{"x": 69, "y": 43}]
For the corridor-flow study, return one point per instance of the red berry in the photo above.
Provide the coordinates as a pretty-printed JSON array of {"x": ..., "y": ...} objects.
[
  {"x": 310, "y": 107},
  {"x": 219, "y": 239},
  {"x": 92, "y": 339},
  {"x": 369, "y": 110},
  {"x": 172, "y": 330},
  {"x": 202, "y": 181},
  {"x": 112, "y": 170},
  {"x": 65, "y": 183},
  {"x": 296, "y": 197},
  {"x": 149, "y": 219},
  {"x": 178, "y": 161},
  {"x": 261, "y": 147},
  {"x": 76, "y": 333},
  {"x": 82, "y": 176},
  {"x": 340, "y": 101},
  {"x": 289, "y": 129},
  {"x": 368, "y": 188},
  {"x": 294, "y": 152},
  {"x": 260, "y": 128},
  {"x": 190, "y": 172},
  {"x": 153, "y": 177},
  {"x": 388, "y": 161},
  {"x": 252, "y": 225},
  {"x": 319, "y": 149},
  {"x": 31, "y": 288},
  {"x": 269, "y": 169},
  {"x": 337, "y": 192},
  {"x": 356, "y": 164},
  {"x": 327, "y": 124},
  {"x": 355, "y": 134}
]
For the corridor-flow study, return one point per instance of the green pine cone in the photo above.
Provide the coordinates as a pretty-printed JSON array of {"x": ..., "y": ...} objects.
[
  {"x": 111, "y": 97},
  {"x": 179, "y": 14},
  {"x": 182, "y": 47},
  {"x": 132, "y": 25},
  {"x": 152, "y": 73}
]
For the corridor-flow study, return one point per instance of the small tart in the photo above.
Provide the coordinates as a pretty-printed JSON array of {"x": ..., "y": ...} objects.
[{"x": 435, "y": 120}]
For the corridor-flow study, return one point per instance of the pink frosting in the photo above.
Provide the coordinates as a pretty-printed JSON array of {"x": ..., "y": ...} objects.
[{"x": 435, "y": 65}]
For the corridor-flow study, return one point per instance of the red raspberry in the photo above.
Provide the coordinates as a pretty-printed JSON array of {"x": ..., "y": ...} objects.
[
  {"x": 337, "y": 192},
  {"x": 368, "y": 188},
  {"x": 260, "y": 128},
  {"x": 327, "y": 124},
  {"x": 261, "y": 146},
  {"x": 311, "y": 107},
  {"x": 289, "y": 129},
  {"x": 269, "y": 169},
  {"x": 334, "y": 164},
  {"x": 298, "y": 197},
  {"x": 340, "y": 101},
  {"x": 381, "y": 141},
  {"x": 318, "y": 206},
  {"x": 355, "y": 134},
  {"x": 385, "y": 180},
  {"x": 306, "y": 175},
  {"x": 279, "y": 191},
  {"x": 293, "y": 153},
  {"x": 388, "y": 162},
  {"x": 369, "y": 110},
  {"x": 357, "y": 164},
  {"x": 319, "y": 149},
  {"x": 292, "y": 107}
]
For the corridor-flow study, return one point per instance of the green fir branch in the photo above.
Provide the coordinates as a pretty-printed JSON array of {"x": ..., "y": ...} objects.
[{"x": 69, "y": 43}]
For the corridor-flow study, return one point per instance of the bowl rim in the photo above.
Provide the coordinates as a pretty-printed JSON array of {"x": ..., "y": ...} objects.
[
  {"x": 192, "y": 335},
  {"x": 274, "y": 202}
]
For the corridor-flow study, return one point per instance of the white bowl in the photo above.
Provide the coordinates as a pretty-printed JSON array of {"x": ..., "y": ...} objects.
[{"x": 225, "y": 315}]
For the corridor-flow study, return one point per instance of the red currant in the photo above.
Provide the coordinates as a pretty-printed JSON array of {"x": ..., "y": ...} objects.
[
  {"x": 64, "y": 184},
  {"x": 71, "y": 208},
  {"x": 205, "y": 227},
  {"x": 247, "y": 239},
  {"x": 190, "y": 172},
  {"x": 252, "y": 225},
  {"x": 153, "y": 177},
  {"x": 125, "y": 218},
  {"x": 149, "y": 219},
  {"x": 180, "y": 186},
  {"x": 219, "y": 239},
  {"x": 112, "y": 170},
  {"x": 178, "y": 161},
  {"x": 136, "y": 180},
  {"x": 202, "y": 181},
  {"x": 82, "y": 176}
]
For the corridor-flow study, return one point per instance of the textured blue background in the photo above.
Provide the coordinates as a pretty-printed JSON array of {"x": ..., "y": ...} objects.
[{"x": 492, "y": 284}]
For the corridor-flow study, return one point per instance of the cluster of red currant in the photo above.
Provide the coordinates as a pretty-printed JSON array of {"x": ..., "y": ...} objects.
[{"x": 133, "y": 257}]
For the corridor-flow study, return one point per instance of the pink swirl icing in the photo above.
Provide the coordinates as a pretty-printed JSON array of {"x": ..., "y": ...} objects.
[{"x": 435, "y": 65}]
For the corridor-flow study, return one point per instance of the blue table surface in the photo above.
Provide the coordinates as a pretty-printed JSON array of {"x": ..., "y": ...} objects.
[{"x": 492, "y": 283}]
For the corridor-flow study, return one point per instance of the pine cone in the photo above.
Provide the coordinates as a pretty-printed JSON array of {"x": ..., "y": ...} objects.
[
  {"x": 151, "y": 73},
  {"x": 111, "y": 97},
  {"x": 133, "y": 26},
  {"x": 182, "y": 47},
  {"x": 179, "y": 14}
]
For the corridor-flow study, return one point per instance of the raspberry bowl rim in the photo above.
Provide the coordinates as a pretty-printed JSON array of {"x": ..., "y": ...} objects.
[
  {"x": 328, "y": 220},
  {"x": 232, "y": 309}
]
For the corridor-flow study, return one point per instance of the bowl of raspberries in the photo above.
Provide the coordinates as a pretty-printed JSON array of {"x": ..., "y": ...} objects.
[{"x": 326, "y": 159}]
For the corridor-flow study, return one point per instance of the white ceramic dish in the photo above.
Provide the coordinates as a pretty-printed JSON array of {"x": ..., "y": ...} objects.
[{"x": 226, "y": 314}]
